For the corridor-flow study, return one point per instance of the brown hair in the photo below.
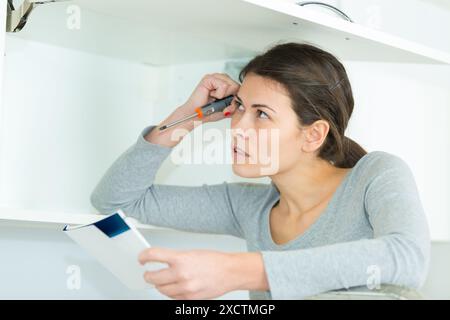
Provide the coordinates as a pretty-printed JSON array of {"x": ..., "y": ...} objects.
[{"x": 319, "y": 90}]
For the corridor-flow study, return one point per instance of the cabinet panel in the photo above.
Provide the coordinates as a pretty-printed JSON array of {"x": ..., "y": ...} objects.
[
  {"x": 67, "y": 115},
  {"x": 177, "y": 31}
]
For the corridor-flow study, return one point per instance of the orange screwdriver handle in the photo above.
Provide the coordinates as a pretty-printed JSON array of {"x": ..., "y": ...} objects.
[{"x": 199, "y": 112}]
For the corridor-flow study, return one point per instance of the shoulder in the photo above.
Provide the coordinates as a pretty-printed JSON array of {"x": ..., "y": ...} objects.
[
  {"x": 379, "y": 163},
  {"x": 381, "y": 174}
]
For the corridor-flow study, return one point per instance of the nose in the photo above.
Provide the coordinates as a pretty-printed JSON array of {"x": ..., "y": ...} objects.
[
  {"x": 239, "y": 132},
  {"x": 241, "y": 127}
]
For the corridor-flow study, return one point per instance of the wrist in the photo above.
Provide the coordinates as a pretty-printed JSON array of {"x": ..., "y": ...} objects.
[{"x": 247, "y": 271}]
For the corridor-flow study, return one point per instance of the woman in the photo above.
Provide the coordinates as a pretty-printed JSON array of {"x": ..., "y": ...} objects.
[{"x": 332, "y": 217}]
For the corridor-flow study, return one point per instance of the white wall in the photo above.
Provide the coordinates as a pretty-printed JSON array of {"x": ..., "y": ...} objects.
[
  {"x": 404, "y": 109},
  {"x": 68, "y": 115}
]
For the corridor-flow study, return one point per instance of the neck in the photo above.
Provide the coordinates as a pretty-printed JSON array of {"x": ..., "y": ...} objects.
[{"x": 307, "y": 185}]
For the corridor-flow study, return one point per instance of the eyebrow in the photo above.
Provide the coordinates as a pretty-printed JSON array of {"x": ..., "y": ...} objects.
[{"x": 256, "y": 105}]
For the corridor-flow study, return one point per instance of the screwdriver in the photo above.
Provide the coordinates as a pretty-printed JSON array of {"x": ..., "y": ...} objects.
[{"x": 206, "y": 110}]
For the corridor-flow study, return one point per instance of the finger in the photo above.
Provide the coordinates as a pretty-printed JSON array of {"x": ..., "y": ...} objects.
[
  {"x": 172, "y": 290},
  {"x": 160, "y": 277},
  {"x": 228, "y": 111},
  {"x": 156, "y": 254},
  {"x": 221, "y": 90},
  {"x": 233, "y": 85},
  {"x": 217, "y": 116},
  {"x": 223, "y": 76},
  {"x": 192, "y": 296},
  {"x": 212, "y": 83}
]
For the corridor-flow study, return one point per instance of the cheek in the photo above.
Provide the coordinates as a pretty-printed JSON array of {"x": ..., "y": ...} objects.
[
  {"x": 289, "y": 149},
  {"x": 235, "y": 118},
  {"x": 233, "y": 121}
]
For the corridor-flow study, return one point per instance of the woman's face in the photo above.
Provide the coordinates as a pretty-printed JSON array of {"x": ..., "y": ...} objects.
[{"x": 266, "y": 129}]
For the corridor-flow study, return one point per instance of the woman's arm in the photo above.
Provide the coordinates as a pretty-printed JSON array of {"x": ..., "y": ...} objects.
[
  {"x": 128, "y": 185},
  {"x": 398, "y": 254}
]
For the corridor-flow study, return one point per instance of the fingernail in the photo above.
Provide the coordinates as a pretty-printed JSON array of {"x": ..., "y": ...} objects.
[{"x": 227, "y": 113}]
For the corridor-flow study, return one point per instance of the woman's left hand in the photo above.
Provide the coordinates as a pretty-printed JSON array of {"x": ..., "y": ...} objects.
[{"x": 191, "y": 274}]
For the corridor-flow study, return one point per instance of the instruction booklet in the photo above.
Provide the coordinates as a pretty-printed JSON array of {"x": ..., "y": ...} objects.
[{"x": 116, "y": 243}]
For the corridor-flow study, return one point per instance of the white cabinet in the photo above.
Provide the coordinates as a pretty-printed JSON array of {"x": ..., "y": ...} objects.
[
  {"x": 175, "y": 31},
  {"x": 84, "y": 76}
]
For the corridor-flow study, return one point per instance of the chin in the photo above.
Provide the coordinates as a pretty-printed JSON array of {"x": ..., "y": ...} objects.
[{"x": 247, "y": 170}]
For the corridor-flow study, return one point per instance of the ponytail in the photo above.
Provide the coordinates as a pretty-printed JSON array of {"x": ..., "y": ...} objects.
[{"x": 351, "y": 153}]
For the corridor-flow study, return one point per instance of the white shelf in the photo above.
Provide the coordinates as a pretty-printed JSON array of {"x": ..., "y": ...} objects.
[
  {"x": 52, "y": 220},
  {"x": 176, "y": 31}
]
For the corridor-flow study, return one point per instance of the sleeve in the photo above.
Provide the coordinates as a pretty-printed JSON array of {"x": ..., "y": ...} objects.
[
  {"x": 128, "y": 185},
  {"x": 398, "y": 253}
]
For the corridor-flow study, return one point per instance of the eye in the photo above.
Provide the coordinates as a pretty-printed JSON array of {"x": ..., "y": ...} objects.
[
  {"x": 261, "y": 113},
  {"x": 240, "y": 107}
]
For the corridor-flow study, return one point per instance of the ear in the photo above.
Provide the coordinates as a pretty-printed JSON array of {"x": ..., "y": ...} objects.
[{"x": 315, "y": 135}]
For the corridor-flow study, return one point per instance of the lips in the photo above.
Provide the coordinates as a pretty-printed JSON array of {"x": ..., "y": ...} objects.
[{"x": 240, "y": 151}]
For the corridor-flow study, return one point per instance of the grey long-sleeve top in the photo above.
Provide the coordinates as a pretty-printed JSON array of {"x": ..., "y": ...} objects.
[{"x": 373, "y": 229}]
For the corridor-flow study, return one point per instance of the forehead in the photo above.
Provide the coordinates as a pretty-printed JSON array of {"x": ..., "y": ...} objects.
[{"x": 258, "y": 89}]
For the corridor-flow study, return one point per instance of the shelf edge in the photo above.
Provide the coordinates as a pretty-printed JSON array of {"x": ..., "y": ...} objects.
[{"x": 381, "y": 37}]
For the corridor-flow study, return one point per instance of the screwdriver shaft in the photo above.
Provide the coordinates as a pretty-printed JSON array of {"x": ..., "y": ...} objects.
[{"x": 177, "y": 122}]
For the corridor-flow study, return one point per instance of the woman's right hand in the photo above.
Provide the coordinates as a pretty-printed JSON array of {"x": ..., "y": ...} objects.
[{"x": 211, "y": 87}]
